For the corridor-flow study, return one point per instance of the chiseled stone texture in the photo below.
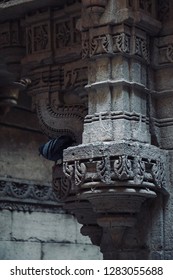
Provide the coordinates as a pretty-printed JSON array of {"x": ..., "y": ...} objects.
[
  {"x": 60, "y": 251},
  {"x": 41, "y": 235},
  {"x": 10, "y": 250},
  {"x": 43, "y": 227},
  {"x": 5, "y": 225}
]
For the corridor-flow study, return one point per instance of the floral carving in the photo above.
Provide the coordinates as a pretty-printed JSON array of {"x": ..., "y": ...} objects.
[
  {"x": 61, "y": 187},
  {"x": 19, "y": 190},
  {"x": 80, "y": 172},
  {"x": 121, "y": 43},
  {"x": 66, "y": 33},
  {"x": 41, "y": 192},
  {"x": 63, "y": 34},
  {"x": 103, "y": 169},
  {"x": 16, "y": 189},
  {"x": 123, "y": 168},
  {"x": 139, "y": 170},
  {"x": 93, "y": 46},
  {"x": 41, "y": 40},
  {"x": 68, "y": 170},
  {"x": 158, "y": 173},
  {"x": 141, "y": 48}
]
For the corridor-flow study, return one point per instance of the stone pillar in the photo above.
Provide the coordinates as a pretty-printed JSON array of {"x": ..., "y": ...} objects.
[{"x": 119, "y": 166}]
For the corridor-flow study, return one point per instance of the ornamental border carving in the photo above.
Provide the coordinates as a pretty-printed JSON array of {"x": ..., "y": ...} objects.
[
  {"x": 25, "y": 195},
  {"x": 116, "y": 171}
]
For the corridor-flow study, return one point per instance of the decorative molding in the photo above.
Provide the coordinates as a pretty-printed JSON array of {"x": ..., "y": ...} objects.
[
  {"x": 123, "y": 168},
  {"x": 115, "y": 43},
  {"x": 49, "y": 33},
  {"x": 115, "y": 170},
  {"x": 26, "y": 195}
]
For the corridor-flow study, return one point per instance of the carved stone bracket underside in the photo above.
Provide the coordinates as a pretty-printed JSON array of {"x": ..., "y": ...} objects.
[{"x": 105, "y": 184}]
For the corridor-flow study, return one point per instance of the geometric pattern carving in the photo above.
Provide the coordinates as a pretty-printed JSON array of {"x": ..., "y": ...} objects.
[{"x": 37, "y": 38}]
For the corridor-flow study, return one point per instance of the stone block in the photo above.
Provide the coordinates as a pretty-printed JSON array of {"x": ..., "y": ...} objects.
[
  {"x": 11, "y": 250},
  {"x": 55, "y": 251},
  {"x": 5, "y": 222},
  {"x": 44, "y": 227}
]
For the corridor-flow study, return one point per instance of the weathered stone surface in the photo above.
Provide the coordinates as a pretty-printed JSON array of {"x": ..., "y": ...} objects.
[
  {"x": 55, "y": 251},
  {"x": 20, "y": 157},
  {"x": 44, "y": 227},
  {"x": 11, "y": 250},
  {"x": 6, "y": 225}
]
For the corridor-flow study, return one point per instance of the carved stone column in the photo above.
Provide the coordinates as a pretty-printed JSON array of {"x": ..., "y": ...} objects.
[{"x": 119, "y": 166}]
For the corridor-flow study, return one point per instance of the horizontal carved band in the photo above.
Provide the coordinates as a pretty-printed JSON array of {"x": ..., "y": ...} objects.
[
  {"x": 16, "y": 194},
  {"x": 104, "y": 165},
  {"x": 115, "y": 43}
]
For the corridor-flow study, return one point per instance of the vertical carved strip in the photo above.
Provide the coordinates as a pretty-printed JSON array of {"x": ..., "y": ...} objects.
[
  {"x": 123, "y": 168},
  {"x": 103, "y": 169}
]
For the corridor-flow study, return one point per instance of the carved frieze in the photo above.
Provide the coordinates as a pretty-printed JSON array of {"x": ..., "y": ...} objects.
[
  {"x": 22, "y": 195},
  {"x": 50, "y": 33},
  {"x": 123, "y": 168},
  {"x": 115, "y": 170},
  {"x": 115, "y": 43}
]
